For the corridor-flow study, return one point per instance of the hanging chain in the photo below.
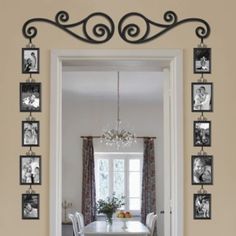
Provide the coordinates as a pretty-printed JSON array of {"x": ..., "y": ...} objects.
[{"x": 118, "y": 101}]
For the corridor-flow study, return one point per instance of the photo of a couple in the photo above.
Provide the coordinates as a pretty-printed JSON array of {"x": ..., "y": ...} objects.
[
  {"x": 30, "y": 60},
  {"x": 30, "y": 170},
  {"x": 202, "y": 94},
  {"x": 30, "y": 133}
]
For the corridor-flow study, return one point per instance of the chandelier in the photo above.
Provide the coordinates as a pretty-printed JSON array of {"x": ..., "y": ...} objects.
[{"x": 118, "y": 136}]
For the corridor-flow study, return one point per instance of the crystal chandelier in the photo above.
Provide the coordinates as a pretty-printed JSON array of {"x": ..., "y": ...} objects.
[{"x": 118, "y": 136}]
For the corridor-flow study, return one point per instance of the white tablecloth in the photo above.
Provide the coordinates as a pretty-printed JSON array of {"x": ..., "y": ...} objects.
[{"x": 102, "y": 228}]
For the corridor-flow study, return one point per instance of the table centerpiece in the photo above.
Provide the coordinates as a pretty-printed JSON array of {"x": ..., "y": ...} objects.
[{"x": 109, "y": 206}]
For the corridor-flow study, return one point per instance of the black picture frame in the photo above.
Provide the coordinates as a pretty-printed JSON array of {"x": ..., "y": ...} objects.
[
  {"x": 202, "y": 170},
  {"x": 30, "y": 97},
  {"x": 202, "y": 133},
  {"x": 30, "y": 206},
  {"x": 202, "y": 206},
  {"x": 30, "y": 133},
  {"x": 202, "y": 60},
  {"x": 30, "y": 60},
  {"x": 202, "y": 97},
  {"x": 30, "y": 170}
]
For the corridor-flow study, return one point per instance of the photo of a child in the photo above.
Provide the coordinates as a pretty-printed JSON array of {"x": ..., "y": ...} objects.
[
  {"x": 202, "y": 133},
  {"x": 30, "y": 206},
  {"x": 202, "y": 60},
  {"x": 202, "y": 170},
  {"x": 202, "y": 206}
]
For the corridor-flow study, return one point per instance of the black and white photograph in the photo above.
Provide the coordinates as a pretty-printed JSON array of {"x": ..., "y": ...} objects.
[
  {"x": 30, "y": 206},
  {"x": 202, "y": 133},
  {"x": 30, "y": 133},
  {"x": 30, "y": 170},
  {"x": 202, "y": 206},
  {"x": 30, "y": 97},
  {"x": 202, "y": 97},
  {"x": 202, "y": 60},
  {"x": 30, "y": 60},
  {"x": 202, "y": 170}
]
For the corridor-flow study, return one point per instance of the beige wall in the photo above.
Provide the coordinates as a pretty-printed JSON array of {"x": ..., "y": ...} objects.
[{"x": 220, "y": 15}]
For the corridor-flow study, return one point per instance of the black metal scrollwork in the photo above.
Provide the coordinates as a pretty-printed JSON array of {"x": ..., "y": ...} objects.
[
  {"x": 131, "y": 32},
  {"x": 101, "y": 32}
]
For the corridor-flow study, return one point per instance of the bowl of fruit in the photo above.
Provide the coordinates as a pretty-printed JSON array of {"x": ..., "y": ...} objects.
[{"x": 124, "y": 216}]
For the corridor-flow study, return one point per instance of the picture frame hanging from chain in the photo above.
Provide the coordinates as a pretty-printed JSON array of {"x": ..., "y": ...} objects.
[
  {"x": 202, "y": 170},
  {"x": 202, "y": 60},
  {"x": 30, "y": 97},
  {"x": 30, "y": 170},
  {"x": 30, "y": 206},
  {"x": 30, "y": 133},
  {"x": 202, "y": 133},
  {"x": 202, "y": 206},
  {"x": 30, "y": 60},
  {"x": 202, "y": 97}
]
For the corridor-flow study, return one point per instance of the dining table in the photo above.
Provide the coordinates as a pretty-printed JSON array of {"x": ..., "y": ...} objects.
[{"x": 117, "y": 228}]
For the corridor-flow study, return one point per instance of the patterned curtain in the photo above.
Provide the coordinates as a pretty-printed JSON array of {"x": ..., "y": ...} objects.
[
  {"x": 88, "y": 191},
  {"x": 149, "y": 180}
]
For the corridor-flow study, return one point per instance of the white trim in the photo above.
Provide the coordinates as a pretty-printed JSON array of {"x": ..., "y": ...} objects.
[
  {"x": 173, "y": 147},
  {"x": 55, "y": 173},
  {"x": 167, "y": 154}
]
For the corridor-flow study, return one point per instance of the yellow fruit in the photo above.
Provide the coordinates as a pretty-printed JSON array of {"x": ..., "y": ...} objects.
[{"x": 121, "y": 215}]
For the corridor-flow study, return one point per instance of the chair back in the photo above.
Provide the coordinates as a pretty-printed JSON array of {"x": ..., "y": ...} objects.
[
  {"x": 152, "y": 224},
  {"x": 148, "y": 217},
  {"x": 74, "y": 224},
  {"x": 80, "y": 221}
]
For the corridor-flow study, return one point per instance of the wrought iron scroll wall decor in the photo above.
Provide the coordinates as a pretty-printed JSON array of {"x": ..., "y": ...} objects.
[
  {"x": 131, "y": 31},
  {"x": 134, "y": 33},
  {"x": 103, "y": 32}
]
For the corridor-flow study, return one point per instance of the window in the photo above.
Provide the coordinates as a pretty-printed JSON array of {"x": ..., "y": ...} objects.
[{"x": 120, "y": 173}]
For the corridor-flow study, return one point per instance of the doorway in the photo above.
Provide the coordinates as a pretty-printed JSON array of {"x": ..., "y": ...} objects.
[{"x": 168, "y": 62}]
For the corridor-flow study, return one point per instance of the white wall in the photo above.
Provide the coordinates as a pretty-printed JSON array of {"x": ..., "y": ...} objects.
[{"x": 88, "y": 116}]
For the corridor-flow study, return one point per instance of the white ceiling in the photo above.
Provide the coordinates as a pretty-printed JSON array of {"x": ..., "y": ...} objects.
[{"x": 134, "y": 86}]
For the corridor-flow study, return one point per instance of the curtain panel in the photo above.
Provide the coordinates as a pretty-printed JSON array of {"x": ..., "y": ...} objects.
[
  {"x": 149, "y": 180},
  {"x": 88, "y": 189}
]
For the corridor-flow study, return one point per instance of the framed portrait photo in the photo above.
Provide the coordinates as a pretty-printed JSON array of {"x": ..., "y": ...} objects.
[
  {"x": 202, "y": 133},
  {"x": 202, "y": 206},
  {"x": 202, "y": 97},
  {"x": 202, "y": 60},
  {"x": 30, "y": 97},
  {"x": 30, "y": 206},
  {"x": 30, "y": 170},
  {"x": 30, "y": 133},
  {"x": 30, "y": 60},
  {"x": 202, "y": 170}
]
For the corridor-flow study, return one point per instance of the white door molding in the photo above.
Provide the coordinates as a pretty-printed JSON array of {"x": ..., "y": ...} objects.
[{"x": 173, "y": 138}]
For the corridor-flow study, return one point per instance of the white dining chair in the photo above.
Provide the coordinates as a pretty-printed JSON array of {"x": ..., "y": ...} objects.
[
  {"x": 74, "y": 224},
  {"x": 80, "y": 222},
  {"x": 152, "y": 224},
  {"x": 148, "y": 217}
]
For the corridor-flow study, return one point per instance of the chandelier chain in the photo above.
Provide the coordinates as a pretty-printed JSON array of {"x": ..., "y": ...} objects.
[{"x": 118, "y": 100}]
